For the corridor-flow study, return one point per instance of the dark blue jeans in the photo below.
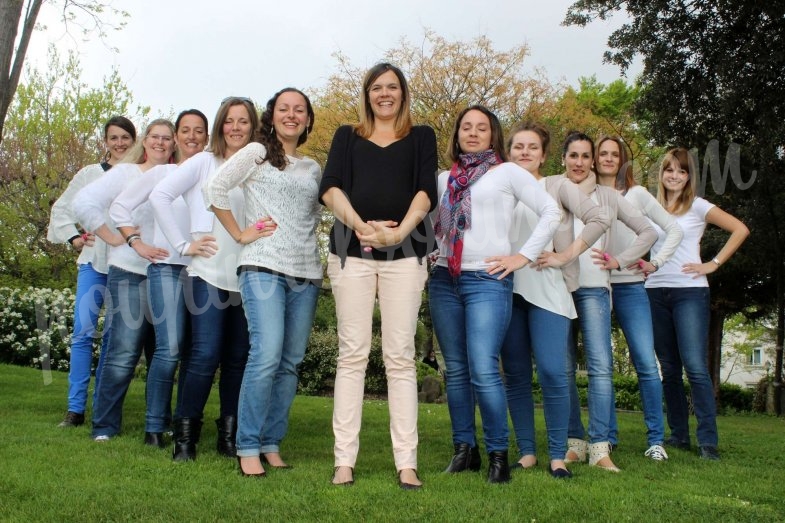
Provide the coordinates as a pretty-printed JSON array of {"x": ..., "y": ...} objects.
[
  {"x": 536, "y": 332},
  {"x": 219, "y": 335},
  {"x": 680, "y": 317},
  {"x": 470, "y": 315}
]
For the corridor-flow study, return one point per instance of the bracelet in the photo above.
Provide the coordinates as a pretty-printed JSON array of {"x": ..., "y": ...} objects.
[
  {"x": 656, "y": 265},
  {"x": 131, "y": 238},
  {"x": 72, "y": 238},
  {"x": 715, "y": 260}
]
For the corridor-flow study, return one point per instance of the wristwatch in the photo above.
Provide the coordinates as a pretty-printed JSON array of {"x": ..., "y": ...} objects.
[{"x": 656, "y": 265}]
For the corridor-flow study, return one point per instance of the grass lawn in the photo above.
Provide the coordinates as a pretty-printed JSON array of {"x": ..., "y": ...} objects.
[{"x": 53, "y": 474}]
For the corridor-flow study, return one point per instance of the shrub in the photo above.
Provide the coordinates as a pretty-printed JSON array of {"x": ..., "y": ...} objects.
[{"x": 735, "y": 398}]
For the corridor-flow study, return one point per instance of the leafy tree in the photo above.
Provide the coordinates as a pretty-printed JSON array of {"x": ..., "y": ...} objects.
[
  {"x": 16, "y": 14},
  {"x": 713, "y": 80},
  {"x": 54, "y": 128}
]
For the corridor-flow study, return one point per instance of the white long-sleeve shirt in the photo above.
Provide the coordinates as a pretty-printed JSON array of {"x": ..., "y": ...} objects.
[
  {"x": 91, "y": 207},
  {"x": 62, "y": 220},
  {"x": 137, "y": 194},
  {"x": 220, "y": 270},
  {"x": 290, "y": 197},
  {"x": 494, "y": 197}
]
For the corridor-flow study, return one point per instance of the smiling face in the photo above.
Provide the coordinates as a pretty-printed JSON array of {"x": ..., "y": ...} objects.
[
  {"x": 191, "y": 136},
  {"x": 474, "y": 132},
  {"x": 158, "y": 144},
  {"x": 578, "y": 159},
  {"x": 526, "y": 151},
  {"x": 674, "y": 178},
  {"x": 385, "y": 96},
  {"x": 117, "y": 141},
  {"x": 608, "y": 159},
  {"x": 236, "y": 128},
  {"x": 290, "y": 116}
]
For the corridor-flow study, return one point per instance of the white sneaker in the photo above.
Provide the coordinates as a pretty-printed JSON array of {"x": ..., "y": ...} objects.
[
  {"x": 102, "y": 437},
  {"x": 657, "y": 453}
]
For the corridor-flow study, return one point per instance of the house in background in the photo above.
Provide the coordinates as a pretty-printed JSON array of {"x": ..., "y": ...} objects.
[{"x": 747, "y": 357}]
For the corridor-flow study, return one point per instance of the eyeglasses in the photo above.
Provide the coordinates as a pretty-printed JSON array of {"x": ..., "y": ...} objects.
[
  {"x": 237, "y": 98},
  {"x": 160, "y": 137}
]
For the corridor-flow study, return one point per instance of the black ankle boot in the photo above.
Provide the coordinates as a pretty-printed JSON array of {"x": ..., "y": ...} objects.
[
  {"x": 465, "y": 457},
  {"x": 498, "y": 467},
  {"x": 227, "y": 432},
  {"x": 186, "y": 435}
]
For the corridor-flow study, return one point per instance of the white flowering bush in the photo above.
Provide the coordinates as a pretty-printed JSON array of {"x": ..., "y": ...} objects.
[{"x": 36, "y": 327}]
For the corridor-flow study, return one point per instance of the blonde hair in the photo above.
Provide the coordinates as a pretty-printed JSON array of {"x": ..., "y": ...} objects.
[
  {"x": 137, "y": 153},
  {"x": 686, "y": 161}
]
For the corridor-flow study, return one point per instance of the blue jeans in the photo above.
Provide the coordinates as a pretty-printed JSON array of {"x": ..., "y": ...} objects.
[
  {"x": 534, "y": 331},
  {"x": 170, "y": 320},
  {"x": 90, "y": 292},
  {"x": 219, "y": 335},
  {"x": 593, "y": 305},
  {"x": 681, "y": 331},
  {"x": 280, "y": 314},
  {"x": 128, "y": 321},
  {"x": 470, "y": 317},
  {"x": 631, "y": 306}
]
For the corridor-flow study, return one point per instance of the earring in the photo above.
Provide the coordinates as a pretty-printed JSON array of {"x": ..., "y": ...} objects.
[{"x": 272, "y": 131}]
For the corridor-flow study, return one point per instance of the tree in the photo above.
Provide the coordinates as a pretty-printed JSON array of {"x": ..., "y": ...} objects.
[
  {"x": 54, "y": 128},
  {"x": 713, "y": 80},
  {"x": 87, "y": 15}
]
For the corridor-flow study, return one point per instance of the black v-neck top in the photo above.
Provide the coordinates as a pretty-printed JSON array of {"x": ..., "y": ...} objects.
[{"x": 380, "y": 183}]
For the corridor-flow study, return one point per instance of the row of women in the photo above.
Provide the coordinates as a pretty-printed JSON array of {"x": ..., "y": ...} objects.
[{"x": 217, "y": 256}]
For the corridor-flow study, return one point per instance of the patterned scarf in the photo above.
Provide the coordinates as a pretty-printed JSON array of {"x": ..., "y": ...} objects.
[{"x": 455, "y": 210}]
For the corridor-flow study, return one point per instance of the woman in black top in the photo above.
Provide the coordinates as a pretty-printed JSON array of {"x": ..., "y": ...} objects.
[{"x": 380, "y": 183}]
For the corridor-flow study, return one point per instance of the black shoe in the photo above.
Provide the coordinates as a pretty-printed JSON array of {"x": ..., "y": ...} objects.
[
  {"x": 465, "y": 457},
  {"x": 408, "y": 486},
  {"x": 673, "y": 441},
  {"x": 245, "y": 475},
  {"x": 72, "y": 419},
  {"x": 708, "y": 452},
  {"x": 560, "y": 473},
  {"x": 498, "y": 467},
  {"x": 227, "y": 432},
  {"x": 186, "y": 436},
  {"x": 154, "y": 439}
]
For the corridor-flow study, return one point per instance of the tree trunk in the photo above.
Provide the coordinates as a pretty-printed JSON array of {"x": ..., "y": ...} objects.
[
  {"x": 778, "y": 407},
  {"x": 716, "y": 322},
  {"x": 11, "y": 62}
]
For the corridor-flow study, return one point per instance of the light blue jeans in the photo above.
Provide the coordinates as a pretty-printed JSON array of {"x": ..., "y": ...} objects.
[
  {"x": 539, "y": 333},
  {"x": 128, "y": 321},
  {"x": 470, "y": 315},
  {"x": 280, "y": 314},
  {"x": 631, "y": 306},
  {"x": 90, "y": 294},
  {"x": 594, "y": 318}
]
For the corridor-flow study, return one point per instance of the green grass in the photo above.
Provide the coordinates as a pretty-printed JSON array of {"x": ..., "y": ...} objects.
[{"x": 53, "y": 474}]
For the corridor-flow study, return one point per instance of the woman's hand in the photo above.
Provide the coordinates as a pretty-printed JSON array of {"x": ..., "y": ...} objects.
[
  {"x": 604, "y": 260},
  {"x": 263, "y": 228},
  {"x": 504, "y": 265},
  {"x": 204, "y": 247},
  {"x": 148, "y": 252},
  {"x": 699, "y": 269},
  {"x": 381, "y": 234},
  {"x": 551, "y": 259}
]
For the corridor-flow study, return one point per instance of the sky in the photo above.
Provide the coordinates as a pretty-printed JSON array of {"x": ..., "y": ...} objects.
[{"x": 178, "y": 54}]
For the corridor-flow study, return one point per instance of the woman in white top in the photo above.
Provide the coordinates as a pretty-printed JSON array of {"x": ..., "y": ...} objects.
[
  {"x": 219, "y": 332},
  {"x": 166, "y": 279},
  {"x": 592, "y": 300},
  {"x": 279, "y": 268},
  {"x": 470, "y": 292},
  {"x": 679, "y": 298},
  {"x": 542, "y": 307},
  {"x": 628, "y": 295},
  {"x": 127, "y": 311},
  {"x": 119, "y": 135}
]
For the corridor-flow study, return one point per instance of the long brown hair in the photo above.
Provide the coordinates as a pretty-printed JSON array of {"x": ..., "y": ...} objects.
[
  {"x": 403, "y": 120},
  {"x": 624, "y": 177},
  {"x": 686, "y": 160}
]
